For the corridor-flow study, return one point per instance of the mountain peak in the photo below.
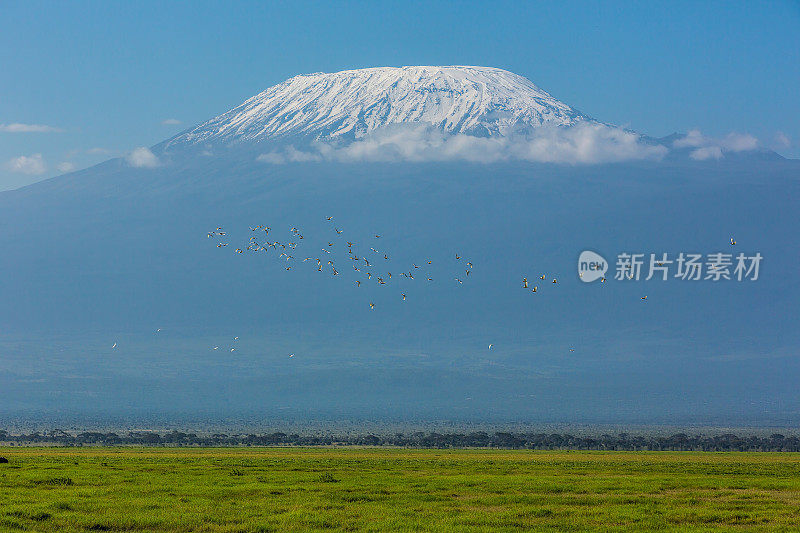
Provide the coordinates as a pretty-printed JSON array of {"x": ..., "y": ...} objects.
[{"x": 478, "y": 101}]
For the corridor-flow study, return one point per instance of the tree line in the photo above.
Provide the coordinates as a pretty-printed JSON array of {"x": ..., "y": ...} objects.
[{"x": 478, "y": 439}]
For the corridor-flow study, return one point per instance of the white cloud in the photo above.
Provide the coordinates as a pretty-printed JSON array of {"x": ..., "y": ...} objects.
[
  {"x": 32, "y": 165},
  {"x": 706, "y": 152},
  {"x": 171, "y": 122},
  {"x": 692, "y": 139},
  {"x": 737, "y": 142},
  {"x": 28, "y": 128},
  {"x": 65, "y": 166},
  {"x": 714, "y": 148},
  {"x": 782, "y": 140},
  {"x": 581, "y": 144},
  {"x": 142, "y": 158},
  {"x": 290, "y": 154}
]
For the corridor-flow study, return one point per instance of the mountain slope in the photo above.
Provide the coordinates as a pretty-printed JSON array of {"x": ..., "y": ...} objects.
[{"x": 110, "y": 254}]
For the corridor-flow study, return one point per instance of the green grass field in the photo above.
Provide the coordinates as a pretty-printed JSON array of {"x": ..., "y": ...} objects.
[{"x": 302, "y": 489}]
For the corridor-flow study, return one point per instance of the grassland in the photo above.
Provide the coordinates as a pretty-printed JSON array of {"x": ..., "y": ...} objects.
[{"x": 304, "y": 489}]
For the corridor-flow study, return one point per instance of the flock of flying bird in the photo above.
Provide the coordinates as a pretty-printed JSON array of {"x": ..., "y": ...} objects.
[
  {"x": 370, "y": 267},
  {"x": 287, "y": 249},
  {"x": 371, "y": 270}
]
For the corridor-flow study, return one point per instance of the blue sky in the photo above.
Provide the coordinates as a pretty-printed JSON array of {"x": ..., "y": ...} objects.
[{"x": 103, "y": 77}]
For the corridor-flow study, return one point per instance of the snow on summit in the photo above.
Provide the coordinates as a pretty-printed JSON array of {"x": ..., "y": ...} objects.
[{"x": 477, "y": 101}]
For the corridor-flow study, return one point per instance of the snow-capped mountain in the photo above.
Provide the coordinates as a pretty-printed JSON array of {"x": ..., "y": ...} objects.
[
  {"x": 478, "y": 101},
  {"x": 114, "y": 252}
]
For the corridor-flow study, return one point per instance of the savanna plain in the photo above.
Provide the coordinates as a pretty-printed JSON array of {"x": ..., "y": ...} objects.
[{"x": 389, "y": 489}]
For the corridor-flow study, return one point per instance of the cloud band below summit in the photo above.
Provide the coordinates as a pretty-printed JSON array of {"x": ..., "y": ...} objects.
[{"x": 584, "y": 143}]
